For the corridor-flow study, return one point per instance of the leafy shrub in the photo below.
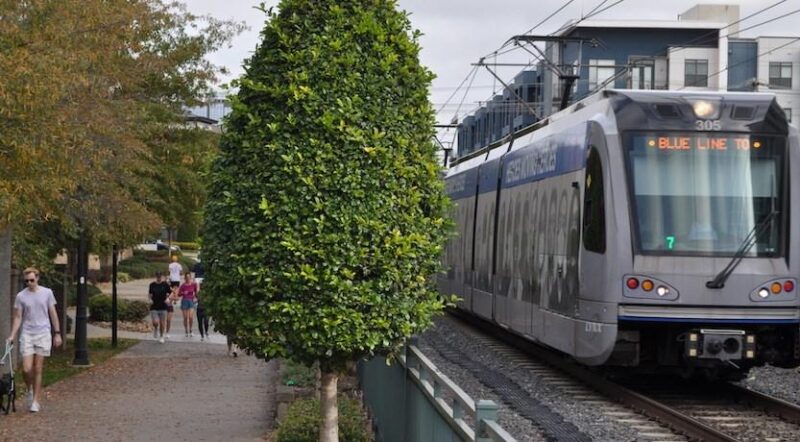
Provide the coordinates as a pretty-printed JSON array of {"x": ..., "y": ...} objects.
[
  {"x": 138, "y": 267},
  {"x": 135, "y": 310},
  {"x": 131, "y": 311},
  {"x": 72, "y": 294},
  {"x": 187, "y": 245},
  {"x": 293, "y": 373},
  {"x": 100, "y": 308},
  {"x": 123, "y": 277},
  {"x": 144, "y": 264},
  {"x": 303, "y": 419}
]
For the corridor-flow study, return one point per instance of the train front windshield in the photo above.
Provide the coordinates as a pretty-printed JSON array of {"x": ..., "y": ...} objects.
[{"x": 703, "y": 193}]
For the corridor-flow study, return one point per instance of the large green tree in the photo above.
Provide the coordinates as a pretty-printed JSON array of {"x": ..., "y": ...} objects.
[
  {"x": 91, "y": 103},
  {"x": 326, "y": 215}
]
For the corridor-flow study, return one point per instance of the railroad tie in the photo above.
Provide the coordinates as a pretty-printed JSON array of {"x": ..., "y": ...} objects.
[{"x": 552, "y": 425}]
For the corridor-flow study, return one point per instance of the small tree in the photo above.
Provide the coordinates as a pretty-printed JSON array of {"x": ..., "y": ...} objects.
[{"x": 325, "y": 218}]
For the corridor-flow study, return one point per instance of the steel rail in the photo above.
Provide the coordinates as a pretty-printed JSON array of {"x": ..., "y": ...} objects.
[
  {"x": 786, "y": 410},
  {"x": 679, "y": 422}
]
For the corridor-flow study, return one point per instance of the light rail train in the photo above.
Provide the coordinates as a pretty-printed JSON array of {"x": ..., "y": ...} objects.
[{"x": 652, "y": 230}]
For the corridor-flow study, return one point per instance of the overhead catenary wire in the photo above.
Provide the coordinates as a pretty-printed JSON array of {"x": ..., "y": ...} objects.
[
  {"x": 624, "y": 70},
  {"x": 595, "y": 8},
  {"x": 474, "y": 69},
  {"x": 765, "y": 22},
  {"x": 589, "y": 15},
  {"x": 780, "y": 17},
  {"x": 502, "y": 50},
  {"x": 536, "y": 26},
  {"x": 716, "y": 31},
  {"x": 466, "y": 91},
  {"x": 548, "y": 17},
  {"x": 461, "y": 103}
]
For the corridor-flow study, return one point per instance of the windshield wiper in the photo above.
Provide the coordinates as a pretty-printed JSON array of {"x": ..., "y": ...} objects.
[{"x": 749, "y": 241}]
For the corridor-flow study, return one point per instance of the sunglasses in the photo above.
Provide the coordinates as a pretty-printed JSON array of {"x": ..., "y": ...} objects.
[{"x": 30, "y": 280}]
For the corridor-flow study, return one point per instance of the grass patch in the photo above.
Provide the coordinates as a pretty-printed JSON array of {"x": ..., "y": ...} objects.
[{"x": 59, "y": 365}]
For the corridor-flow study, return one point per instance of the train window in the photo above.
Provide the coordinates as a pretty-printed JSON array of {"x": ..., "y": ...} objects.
[
  {"x": 594, "y": 208},
  {"x": 707, "y": 194}
]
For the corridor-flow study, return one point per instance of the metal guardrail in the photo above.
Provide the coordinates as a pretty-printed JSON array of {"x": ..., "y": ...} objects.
[{"x": 452, "y": 403}]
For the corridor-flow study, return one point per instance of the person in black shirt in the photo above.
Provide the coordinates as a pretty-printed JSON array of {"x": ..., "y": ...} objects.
[{"x": 159, "y": 291}]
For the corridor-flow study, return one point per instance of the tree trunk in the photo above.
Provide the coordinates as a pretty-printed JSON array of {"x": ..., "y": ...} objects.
[
  {"x": 318, "y": 383},
  {"x": 6, "y": 284},
  {"x": 329, "y": 407}
]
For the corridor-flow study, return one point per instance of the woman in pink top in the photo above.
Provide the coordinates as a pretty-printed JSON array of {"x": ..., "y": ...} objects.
[{"x": 188, "y": 293}]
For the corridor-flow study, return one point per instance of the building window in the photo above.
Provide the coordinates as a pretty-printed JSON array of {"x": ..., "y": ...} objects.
[
  {"x": 641, "y": 76},
  {"x": 696, "y": 73},
  {"x": 780, "y": 75},
  {"x": 788, "y": 113},
  {"x": 599, "y": 72}
]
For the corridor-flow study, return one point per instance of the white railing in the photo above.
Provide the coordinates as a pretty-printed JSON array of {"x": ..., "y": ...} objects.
[{"x": 472, "y": 420}]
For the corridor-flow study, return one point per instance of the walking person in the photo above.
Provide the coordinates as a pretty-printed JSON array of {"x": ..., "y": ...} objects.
[
  {"x": 34, "y": 312},
  {"x": 232, "y": 347},
  {"x": 202, "y": 320},
  {"x": 171, "y": 299},
  {"x": 175, "y": 271},
  {"x": 199, "y": 273},
  {"x": 159, "y": 292},
  {"x": 188, "y": 293}
]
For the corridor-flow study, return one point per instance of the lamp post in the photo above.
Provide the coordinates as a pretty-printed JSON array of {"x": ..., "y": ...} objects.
[
  {"x": 114, "y": 255},
  {"x": 81, "y": 352}
]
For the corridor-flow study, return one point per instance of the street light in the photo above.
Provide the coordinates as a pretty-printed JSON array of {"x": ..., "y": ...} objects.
[{"x": 81, "y": 351}]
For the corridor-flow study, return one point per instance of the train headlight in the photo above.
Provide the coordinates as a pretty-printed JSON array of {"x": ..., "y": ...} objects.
[
  {"x": 647, "y": 285},
  {"x": 662, "y": 291},
  {"x": 763, "y": 293},
  {"x": 776, "y": 288},
  {"x": 705, "y": 109}
]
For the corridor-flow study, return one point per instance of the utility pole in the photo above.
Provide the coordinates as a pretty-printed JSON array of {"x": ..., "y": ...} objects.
[
  {"x": 568, "y": 78},
  {"x": 81, "y": 352}
]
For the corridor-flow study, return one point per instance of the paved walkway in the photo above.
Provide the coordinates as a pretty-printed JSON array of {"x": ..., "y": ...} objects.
[
  {"x": 182, "y": 390},
  {"x": 137, "y": 290}
]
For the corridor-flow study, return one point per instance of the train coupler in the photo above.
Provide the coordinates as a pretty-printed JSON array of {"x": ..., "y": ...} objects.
[{"x": 723, "y": 345}]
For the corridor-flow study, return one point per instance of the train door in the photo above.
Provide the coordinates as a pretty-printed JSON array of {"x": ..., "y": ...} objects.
[
  {"x": 484, "y": 240},
  {"x": 558, "y": 224}
]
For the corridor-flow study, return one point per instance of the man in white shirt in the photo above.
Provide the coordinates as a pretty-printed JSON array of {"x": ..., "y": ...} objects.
[
  {"x": 175, "y": 271},
  {"x": 32, "y": 307}
]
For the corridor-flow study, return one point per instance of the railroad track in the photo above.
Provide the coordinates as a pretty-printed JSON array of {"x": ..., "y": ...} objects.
[
  {"x": 735, "y": 412},
  {"x": 674, "y": 411}
]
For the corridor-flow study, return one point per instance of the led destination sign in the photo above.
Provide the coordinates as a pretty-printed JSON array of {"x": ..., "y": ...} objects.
[{"x": 701, "y": 142}]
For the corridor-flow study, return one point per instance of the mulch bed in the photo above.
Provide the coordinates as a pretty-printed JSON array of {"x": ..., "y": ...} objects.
[{"x": 139, "y": 327}]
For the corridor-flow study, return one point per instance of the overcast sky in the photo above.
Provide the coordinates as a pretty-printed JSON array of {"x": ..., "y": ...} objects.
[{"x": 459, "y": 32}]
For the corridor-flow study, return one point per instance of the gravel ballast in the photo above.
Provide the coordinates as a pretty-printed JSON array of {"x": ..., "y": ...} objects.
[{"x": 587, "y": 418}]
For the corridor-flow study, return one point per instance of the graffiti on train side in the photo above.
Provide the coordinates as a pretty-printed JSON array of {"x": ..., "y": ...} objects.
[{"x": 538, "y": 250}]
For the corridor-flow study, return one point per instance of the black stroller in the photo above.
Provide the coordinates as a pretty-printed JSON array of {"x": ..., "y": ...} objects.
[{"x": 8, "y": 388}]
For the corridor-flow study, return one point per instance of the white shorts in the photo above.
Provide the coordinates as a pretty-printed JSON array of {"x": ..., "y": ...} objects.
[{"x": 39, "y": 344}]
